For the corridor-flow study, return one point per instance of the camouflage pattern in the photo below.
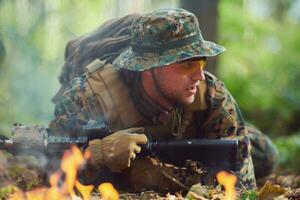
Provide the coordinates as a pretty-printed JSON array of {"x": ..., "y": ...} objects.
[
  {"x": 263, "y": 152},
  {"x": 223, "y": 119},
  {"x": 164, "y": 37}
]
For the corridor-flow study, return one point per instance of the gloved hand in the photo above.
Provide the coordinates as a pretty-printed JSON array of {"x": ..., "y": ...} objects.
[{"x": 118, "y": 149}]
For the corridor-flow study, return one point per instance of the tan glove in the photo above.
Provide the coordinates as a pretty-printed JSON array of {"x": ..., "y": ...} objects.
[{"x": 118, "y": 149}]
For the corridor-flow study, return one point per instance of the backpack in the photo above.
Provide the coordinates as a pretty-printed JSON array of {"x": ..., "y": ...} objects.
[{"x": 106, "y": 43}]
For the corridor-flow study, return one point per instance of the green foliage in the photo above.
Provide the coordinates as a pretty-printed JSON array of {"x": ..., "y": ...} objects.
[
  {"x": 6, "y": 191},
  {"x": 261, "y": 67},
  {"x": 34, "y": 34},
  {"x": 248, "y": 195},
  {"x": 33, "y": 184},
  {"x": 289, "y": 153}
]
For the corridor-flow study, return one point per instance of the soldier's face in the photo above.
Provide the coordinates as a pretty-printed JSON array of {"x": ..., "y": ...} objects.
[{"x": 179, "y": 81}]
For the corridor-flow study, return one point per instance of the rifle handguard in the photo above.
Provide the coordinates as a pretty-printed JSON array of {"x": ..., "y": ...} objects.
[{"x": 209, "y": 152}]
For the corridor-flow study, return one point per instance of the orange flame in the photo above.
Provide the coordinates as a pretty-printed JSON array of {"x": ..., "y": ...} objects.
[
  {"x": 54, "y": 192},
  {"x": 18, "y": 195},
  {"x": 85, "y": 190},
  {"x": 108, "y": 192},
  {"x": 228, "y": 181},
  {"x": 71, "y": 162},
  {"x": 36, "y": 194}
]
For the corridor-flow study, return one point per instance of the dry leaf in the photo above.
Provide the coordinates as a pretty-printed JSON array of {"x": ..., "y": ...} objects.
[
  {"x": 270, "y": 191},
  {"x": 194, "y": 196},
  {"x": 198, "y": 191},
  {"x": 293, "y": 194},
  {"x": 288, "y": 181}
]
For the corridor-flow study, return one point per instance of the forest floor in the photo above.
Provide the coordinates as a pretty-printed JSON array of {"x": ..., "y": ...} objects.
[
  {"x": 17, "y": 177},
  {"x": 21, "y": 174}
]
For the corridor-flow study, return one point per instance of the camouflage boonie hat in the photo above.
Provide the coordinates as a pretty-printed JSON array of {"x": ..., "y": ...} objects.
[{"x": 164, "y": 37}]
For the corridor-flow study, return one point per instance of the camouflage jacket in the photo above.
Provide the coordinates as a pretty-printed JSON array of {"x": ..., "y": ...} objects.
[{"x": 88, "y": 101}]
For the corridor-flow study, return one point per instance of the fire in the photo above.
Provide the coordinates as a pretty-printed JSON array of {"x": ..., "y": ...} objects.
[
  {"x": 54, "y": 191},
  {"x": 72, "y": 160},
  {"x": 228, "y": 181},
  {"x": 108, "y": 192},
  {"x": 85, "y": 190},
  {"x": 18, "y": 195},
  {"x": 36, "y": 194}
]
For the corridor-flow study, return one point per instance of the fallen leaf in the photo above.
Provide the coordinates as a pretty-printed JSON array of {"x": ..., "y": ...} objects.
[
  {"x": 194, "y": 196},
  {"x": 198, "y": 191},
  {"x": 270, "y": 191},
  {"x": 293, "y": 194}
]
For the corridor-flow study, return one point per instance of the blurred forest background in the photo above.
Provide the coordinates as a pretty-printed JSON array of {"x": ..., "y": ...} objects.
[{"x": 261, "y": 66}]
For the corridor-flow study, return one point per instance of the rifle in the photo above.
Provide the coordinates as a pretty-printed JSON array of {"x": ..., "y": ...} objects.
[{"x": 218, "y": 153}]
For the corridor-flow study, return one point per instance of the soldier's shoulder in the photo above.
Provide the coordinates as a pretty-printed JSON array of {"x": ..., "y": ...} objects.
[
  {"x": 215, "y": 87},
  {"x": 68, "y": 100},
  {"x": 213, "y": 81}
]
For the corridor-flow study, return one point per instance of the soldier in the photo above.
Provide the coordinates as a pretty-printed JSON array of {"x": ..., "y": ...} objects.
[{"x": 158, "y": 89}]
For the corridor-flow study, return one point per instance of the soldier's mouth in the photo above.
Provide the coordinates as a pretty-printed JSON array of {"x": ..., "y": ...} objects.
[{"x": 192, "y": 90}]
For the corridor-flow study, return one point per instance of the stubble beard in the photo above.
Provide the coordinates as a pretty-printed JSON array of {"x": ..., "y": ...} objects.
[
  {"x": 174, "y": 96},
  {"x": 178, "y": 97}
]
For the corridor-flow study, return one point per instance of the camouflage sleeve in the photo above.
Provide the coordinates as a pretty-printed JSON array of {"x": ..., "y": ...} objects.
[
  {"x": 70, "y": 112},
  {"x": 224, "y": 120}
]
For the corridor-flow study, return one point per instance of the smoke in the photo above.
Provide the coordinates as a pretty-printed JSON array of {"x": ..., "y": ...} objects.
[{"x": 35, "y": 36}]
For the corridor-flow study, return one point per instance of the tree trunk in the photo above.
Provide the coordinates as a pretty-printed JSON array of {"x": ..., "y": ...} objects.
[
  {"x": 2, "y": 53},
  {"x": 207, "y": 13}
]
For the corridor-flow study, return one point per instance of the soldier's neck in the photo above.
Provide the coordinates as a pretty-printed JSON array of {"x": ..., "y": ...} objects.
[{"x": 154, "y": 94}]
